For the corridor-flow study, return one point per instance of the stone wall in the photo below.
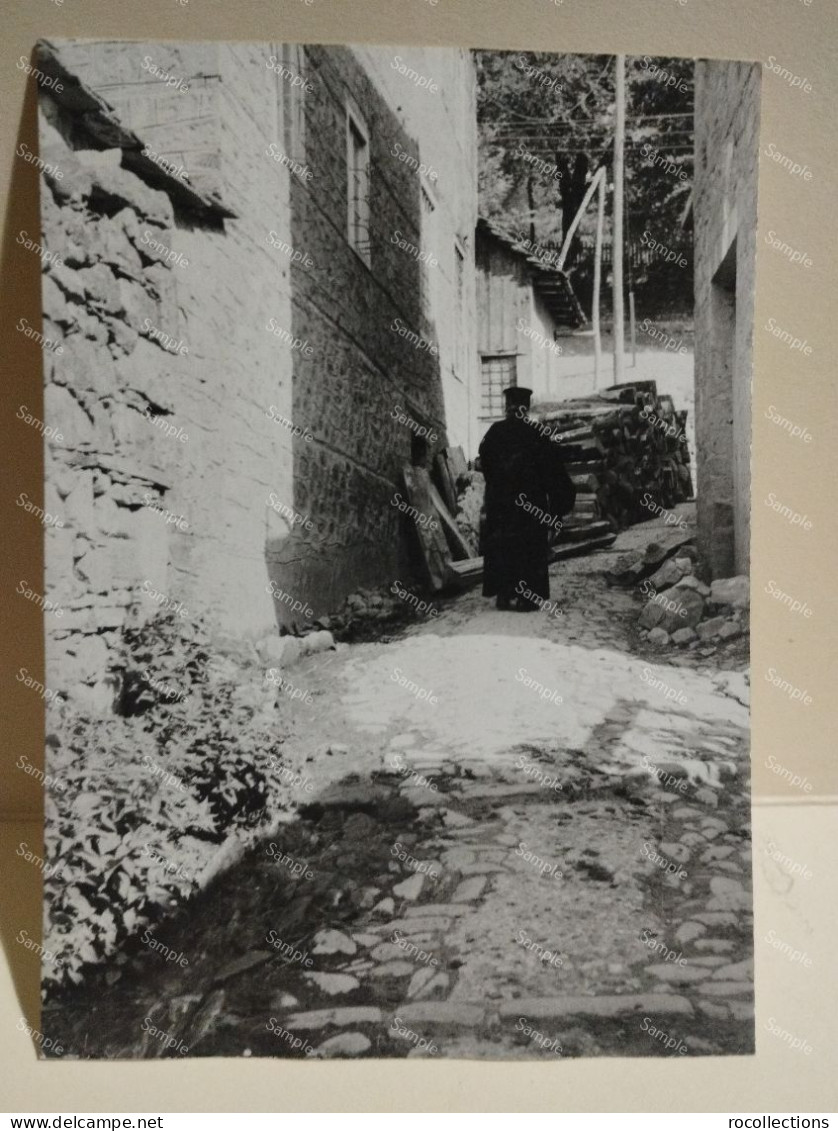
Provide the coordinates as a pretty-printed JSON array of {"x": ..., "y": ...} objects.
[
  {"x": 221, "y": 378},
  {"x": 442, "y": 126},
  {"x": 362, "y": 374},
  {"x": 213, "y": 378},
  {"x": 725, "y": 211}
]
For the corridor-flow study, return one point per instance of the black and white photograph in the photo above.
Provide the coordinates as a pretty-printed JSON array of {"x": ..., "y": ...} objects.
[{"x": 397, "y": 438}]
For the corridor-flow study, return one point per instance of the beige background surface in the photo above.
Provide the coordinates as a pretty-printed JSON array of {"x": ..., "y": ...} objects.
[{"x": 801, "y": 37}]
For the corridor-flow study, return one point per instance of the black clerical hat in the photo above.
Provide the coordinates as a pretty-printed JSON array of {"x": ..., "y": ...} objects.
[{"x": 517, "y": 395}]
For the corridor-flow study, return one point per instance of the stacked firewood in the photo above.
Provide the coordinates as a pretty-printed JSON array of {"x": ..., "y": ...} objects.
[{"x": 626, "y": 451}]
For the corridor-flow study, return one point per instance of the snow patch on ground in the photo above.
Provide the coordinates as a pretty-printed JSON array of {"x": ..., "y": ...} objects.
[{"x": 484, "y": 691}]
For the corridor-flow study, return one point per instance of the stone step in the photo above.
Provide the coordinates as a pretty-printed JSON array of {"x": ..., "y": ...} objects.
[
  {"x": 423, "y": 910},
  {"x": 456, "y": 1013},
  {"x": 340, "y": 1015},
  {"x": 603, "y": 1005}
]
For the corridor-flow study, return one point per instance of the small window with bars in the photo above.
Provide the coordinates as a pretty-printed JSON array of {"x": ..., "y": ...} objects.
[
  {"x": 358, "y": 177},
  {"x": 497, "y": 374}
]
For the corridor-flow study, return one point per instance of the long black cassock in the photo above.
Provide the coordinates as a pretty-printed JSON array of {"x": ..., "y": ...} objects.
[{"x": 525, "y": 479}]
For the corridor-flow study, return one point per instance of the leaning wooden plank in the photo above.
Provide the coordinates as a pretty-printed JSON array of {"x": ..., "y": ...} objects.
[
  {"x": 463, "y": 574},
  {"x": 456, "y": 475},
  {"x": 574, "y": 549},
  {"x": 581, "y": 532},
  {"x": 458, "y": 545},
  {"x": 442, "y": 480},
  {"x": 456, "y": 462},
  {"x": 432, "y": 543}
]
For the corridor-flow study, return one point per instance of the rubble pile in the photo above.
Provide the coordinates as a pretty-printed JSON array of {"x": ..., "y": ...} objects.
[
  {"x": 366, "y": 611},
  {"x": 683, "y": 610},
  {"x": 626, "y": 451},
  {"x": 680, "y": 608}
]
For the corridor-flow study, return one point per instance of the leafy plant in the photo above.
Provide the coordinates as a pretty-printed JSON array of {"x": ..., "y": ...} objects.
[{"x": 147, "y": 795}]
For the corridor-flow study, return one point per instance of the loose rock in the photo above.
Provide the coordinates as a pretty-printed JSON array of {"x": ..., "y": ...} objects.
[
  {"x": 345, "y": 1044},
  {"x": 684, "y": 636},
  {"x": 733, "y": 591},
  {"x": 411, "y": 887},
  {"x": 333, "y": 942},
  {"x": 332, "y": 984},
  {"x": 710, "y": 628}
]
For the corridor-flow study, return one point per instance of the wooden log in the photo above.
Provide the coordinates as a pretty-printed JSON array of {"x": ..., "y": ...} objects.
[
  {"x": 584, "y": 450},
  {"x": 575, "y": 435},
  {"x": 614, "y": 455},
  {"x": 595, "y": 467},
  {"x": 585, "y": 484}
]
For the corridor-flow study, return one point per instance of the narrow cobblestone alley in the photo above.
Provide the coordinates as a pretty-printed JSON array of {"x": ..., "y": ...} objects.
[{"x": 545, "y": 853}]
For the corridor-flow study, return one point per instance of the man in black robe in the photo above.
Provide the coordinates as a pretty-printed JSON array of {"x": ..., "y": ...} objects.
[{"x": 527, "y": 493}]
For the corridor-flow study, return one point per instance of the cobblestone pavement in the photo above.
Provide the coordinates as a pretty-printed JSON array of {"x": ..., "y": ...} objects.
[{"x": 547, "y": 854}]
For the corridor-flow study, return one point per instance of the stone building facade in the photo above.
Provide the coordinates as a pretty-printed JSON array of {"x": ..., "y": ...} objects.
[
  {"x": 413, "y": 274},
  {"x": 725, "y": 217},
  {"x": 238, "y": 325}
]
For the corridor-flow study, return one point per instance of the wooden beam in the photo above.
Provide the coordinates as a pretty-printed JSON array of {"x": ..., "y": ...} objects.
[
  {"x": 617, "y": 246},
  {"x": 577, "y": 219},
  {"x": 600, "y": 219}
]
